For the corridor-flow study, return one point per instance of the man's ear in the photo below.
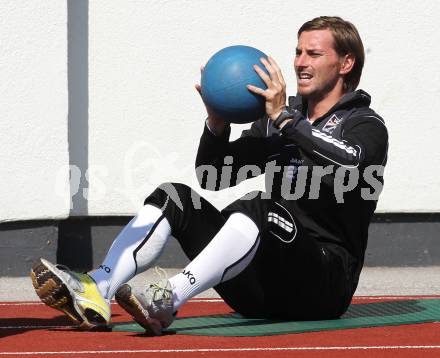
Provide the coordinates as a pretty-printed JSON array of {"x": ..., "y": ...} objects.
[{"x": 347, "y": 64}]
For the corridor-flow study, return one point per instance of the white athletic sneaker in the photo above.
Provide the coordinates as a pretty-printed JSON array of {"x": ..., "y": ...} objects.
[{"x": 152, "y": 308}]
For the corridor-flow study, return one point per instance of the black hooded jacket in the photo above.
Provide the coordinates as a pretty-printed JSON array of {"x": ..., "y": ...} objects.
[{"x": 329, "y": 173}]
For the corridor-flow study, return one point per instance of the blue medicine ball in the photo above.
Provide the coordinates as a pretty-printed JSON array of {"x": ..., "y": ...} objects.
[{"x": 224, "y": 83}]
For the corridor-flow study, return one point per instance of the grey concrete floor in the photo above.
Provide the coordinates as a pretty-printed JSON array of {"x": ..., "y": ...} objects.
[{"x": 374, "y": 281}]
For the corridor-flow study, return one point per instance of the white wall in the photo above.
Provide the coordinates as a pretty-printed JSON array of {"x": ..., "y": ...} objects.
[
  {"x": 145, "y": 117},
  {"x": 33, "y": 109}
]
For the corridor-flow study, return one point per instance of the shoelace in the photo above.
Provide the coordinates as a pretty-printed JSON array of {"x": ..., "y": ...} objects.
[
  {"x": 160, "y": 292},
  {"x": 161, "y": 272}
]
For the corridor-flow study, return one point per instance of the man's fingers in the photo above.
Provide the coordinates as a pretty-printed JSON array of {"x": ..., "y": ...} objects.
[
  {"x": 274, "y": 64},
  {"x": 273, "y": 74},
  {"x": 275, "y": 78},
  {"x": 198, "y": 88},
  {"x": 256, "y": 90},
  {"x": 277, "y": 70},
  {"x": 264, "y": 76}
]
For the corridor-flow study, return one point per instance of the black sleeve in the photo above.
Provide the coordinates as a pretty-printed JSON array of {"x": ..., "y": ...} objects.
[
  {"x": 221, "y": 164},
  {"x": 364, "y": 142}
]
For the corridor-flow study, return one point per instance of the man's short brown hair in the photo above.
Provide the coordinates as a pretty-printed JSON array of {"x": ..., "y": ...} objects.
[{"x": 346, "y": 41}]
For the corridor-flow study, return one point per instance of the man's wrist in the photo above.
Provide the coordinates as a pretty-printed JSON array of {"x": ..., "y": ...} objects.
[
  {"x": 285, "y": 115},
  {"x": 283, "y": 124},
  {"x": 215, "y": 130},
  {"x": 274, "y": 116}
]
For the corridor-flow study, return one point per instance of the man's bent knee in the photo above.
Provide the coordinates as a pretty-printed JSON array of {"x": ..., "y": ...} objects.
[{"x": 176, "y": 194}]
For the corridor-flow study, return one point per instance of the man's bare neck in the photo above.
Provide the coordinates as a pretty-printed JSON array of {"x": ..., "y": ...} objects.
[{"x": 316, "y": 108}]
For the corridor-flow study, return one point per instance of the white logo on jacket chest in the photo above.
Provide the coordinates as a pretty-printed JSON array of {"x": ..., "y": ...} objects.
[{"x": 331, "y": 124}]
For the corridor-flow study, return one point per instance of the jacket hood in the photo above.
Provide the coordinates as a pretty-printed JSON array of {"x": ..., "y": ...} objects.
[{"x": 358, "y": 98}]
